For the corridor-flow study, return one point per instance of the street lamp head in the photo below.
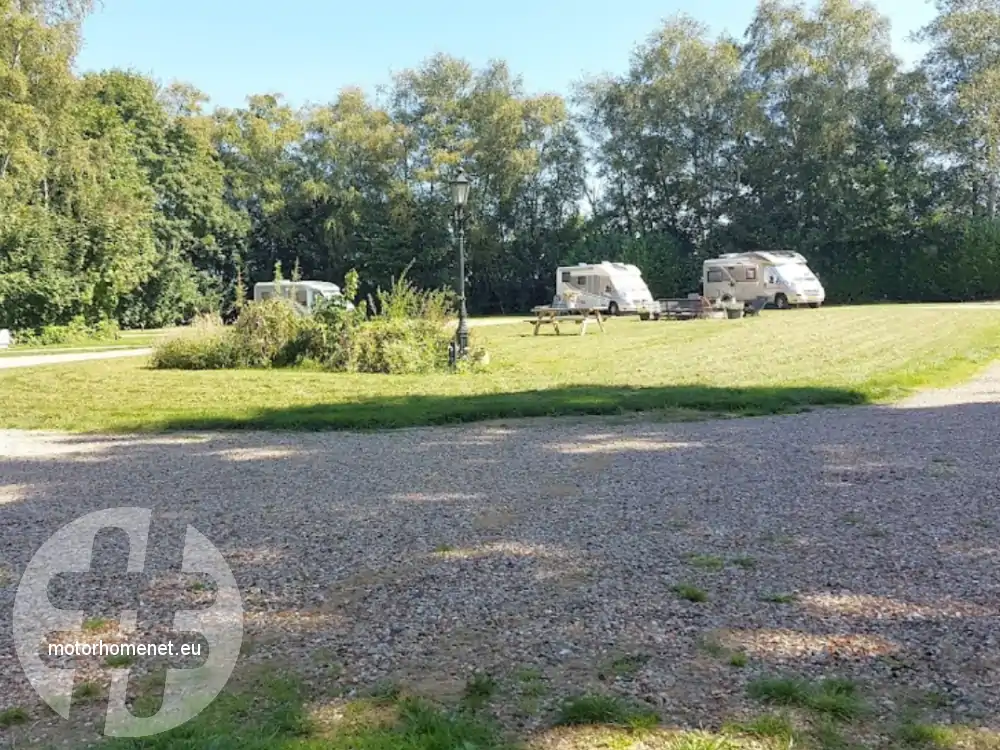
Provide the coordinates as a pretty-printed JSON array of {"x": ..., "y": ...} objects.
[{"x": 460, "y": 189}]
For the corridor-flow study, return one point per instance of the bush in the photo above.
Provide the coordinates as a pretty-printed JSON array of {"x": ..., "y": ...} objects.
[
  {"x": 405, "y": 302},
  {"x": 406, "y": 335},
  {"x": 200, "y": 348},
  {"x": 265, "y": 334},
  {"x": 401, "y": 346},
  {"x": 75, "y": 332}
]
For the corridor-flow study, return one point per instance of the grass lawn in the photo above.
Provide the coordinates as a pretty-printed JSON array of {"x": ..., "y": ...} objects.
[{"x": 778, "y": 362}]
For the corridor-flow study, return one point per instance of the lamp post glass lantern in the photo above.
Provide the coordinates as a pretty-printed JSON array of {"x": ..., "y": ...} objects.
[{"x": 459, "y": 197}]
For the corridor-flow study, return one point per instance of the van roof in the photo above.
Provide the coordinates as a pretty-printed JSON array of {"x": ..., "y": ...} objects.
[
  {"x": 774, "y": 256},
  {"x": 602, "y": 266},
  {"x": 319, "y": 286}
]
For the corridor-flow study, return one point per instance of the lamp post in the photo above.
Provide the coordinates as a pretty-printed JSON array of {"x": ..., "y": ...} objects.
[{"x": 459, "y": 197}]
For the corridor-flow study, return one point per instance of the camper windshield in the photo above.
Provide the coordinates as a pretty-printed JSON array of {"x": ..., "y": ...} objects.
[
  {"x": 795, "y": 273},
  {"x": 634, "y": 286}
]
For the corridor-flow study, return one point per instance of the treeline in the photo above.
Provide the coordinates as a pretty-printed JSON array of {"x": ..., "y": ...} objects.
[{"x": 124, "y": 200}]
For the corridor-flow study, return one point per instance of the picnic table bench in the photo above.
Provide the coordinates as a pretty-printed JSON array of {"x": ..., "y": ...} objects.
[
  {"x": 683, "y": 309},
  {"x": 553, "y": 316}
]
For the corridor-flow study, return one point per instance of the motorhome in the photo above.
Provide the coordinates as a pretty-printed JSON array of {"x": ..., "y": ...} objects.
[
  {"x": 305, "y": 295},
  {"x": 782, "y": 277},
  {"x": 614, "y": 287}
]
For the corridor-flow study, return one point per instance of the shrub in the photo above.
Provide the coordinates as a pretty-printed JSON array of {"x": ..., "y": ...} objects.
[
  {"x": 405, "y": 301},
  {"x": 401, "y": 346},
  {"x": 77, "y": 331},
  {"x": 405, "y": 335},
  {"x": 202, "y": 348},
  {"x": 265, "y": 334}
]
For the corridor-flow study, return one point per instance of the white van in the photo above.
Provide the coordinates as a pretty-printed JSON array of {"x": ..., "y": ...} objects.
[
  {"x": 304, "y": 294},
  {"x": 615, "y": 287},
  {"x": 782, "y": 277}
]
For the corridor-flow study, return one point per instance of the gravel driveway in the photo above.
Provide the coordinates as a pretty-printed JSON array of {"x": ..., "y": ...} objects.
[{"x": 859, "y": 542}]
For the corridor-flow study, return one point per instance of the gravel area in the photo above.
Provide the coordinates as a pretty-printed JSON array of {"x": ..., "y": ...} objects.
[{"x": 856, "y": 542}]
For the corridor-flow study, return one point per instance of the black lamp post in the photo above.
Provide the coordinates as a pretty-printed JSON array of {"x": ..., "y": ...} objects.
[{"x": 459, "y": 197}]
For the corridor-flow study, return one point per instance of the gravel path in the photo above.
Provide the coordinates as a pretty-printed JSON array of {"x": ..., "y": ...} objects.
[
  {"x": 35, "y": 360},
  {"x": 421, "y": 555}
]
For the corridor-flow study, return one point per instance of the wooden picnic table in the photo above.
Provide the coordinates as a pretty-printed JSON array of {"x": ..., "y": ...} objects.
[{"x": 553, "y": 316}]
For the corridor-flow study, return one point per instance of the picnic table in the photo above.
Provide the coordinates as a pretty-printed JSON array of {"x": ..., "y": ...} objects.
[
  {"x": 553, "y": 316},
  {"x": 687, "y": 308}
]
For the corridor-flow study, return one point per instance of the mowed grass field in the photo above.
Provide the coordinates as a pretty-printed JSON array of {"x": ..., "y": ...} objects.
[{"x": 778, "y": 362}]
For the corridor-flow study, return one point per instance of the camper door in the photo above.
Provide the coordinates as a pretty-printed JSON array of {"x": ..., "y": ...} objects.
[
  {"x": 588, "y": 285},
  {"x": 748, "y": 282}
]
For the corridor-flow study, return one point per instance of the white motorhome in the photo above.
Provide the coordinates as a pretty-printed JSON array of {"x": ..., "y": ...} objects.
[
  {"x": 304, "y": 294},
  {"x": 782, "y": 277},
  {"x": 615, "y": 287}
]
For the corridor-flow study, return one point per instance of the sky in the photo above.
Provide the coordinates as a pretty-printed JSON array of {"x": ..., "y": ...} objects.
[{"x": 309, "y": 50}]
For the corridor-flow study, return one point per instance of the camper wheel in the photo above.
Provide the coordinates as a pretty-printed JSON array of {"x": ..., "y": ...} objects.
[
  {"x": 613, "y": 309},
  {"x": 814, "y": 305},
  {"x": 781, "y": 301}
]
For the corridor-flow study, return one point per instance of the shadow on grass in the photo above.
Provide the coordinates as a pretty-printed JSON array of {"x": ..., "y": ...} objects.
[{"x": 417, "y": 410}]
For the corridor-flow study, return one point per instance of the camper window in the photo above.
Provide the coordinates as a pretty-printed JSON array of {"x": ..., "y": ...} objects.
[
  {"x": 566, "y": 276},
  {"x": 737, "y": 273},
  {"x": 751, "y": 274},
  {"x": 581, "y": 281},
  {"x": 302, "y": 296},
  {"x": 714, "y": 275}
]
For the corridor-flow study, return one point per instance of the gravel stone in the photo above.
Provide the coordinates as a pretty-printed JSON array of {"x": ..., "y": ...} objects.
[{"x": 422, "y": 556}]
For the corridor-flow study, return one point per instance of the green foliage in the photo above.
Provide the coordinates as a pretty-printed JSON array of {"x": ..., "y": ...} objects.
[
  {"x": 124, "y": 200},
  {"x": 776, "y": 726},
  {"x": 834, "y": 697},
  {"x": 401, "y": 346},
  {"x": 75, "y": 332},
  {"x": 606, "y": 710},
  {"x": 407, "y": 336},
  {"x": 13, "y": 716},
  {"x": 691, "y": 593},
  {"x": 265, "y": 334},
  {"x": 204, "y": 346},
  {"x": 403, "y": 301}
]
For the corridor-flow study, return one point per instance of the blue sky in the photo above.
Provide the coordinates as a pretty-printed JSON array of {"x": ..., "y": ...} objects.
[{"x": 310, "y": 49}]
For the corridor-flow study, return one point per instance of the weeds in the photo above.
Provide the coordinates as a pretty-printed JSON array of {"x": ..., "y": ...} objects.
[
  {"x": 834, "y": 697},
  {"x": 13, "y": 716},
  {"x": 479, "y": 690},
  {"x": 779, "y": 598},
  {"x": 706, "y": 562},
  {"x": 624, "y": 666},
  {"x": 87, "y": 691},
  {"x": 606, "y": 710},
  {"x": 690, "y": 593},
  {"x": 768, "y": 726}
]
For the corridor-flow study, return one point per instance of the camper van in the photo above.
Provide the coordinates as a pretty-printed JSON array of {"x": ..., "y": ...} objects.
[
  {"x": 615, "y": 287},
  {"x": 783, "y": 278},
  {"x": 304, "y": 294}
]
